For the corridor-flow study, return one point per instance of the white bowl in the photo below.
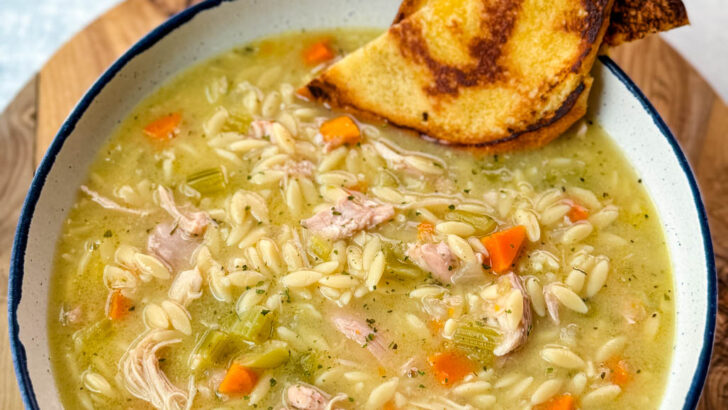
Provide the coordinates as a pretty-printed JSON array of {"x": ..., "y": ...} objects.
[{"x": 215, "y": 26}]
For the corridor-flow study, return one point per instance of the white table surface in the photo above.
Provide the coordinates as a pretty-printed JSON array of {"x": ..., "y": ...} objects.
[{"x": 30, "y": 31}]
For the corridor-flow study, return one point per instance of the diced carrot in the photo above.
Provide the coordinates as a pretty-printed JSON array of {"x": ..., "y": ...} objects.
[
  {"x": 577, "y": 213},
  {"x": 435, "y": 325},
  {"x": 340, "y": 130},
  {"x": 360, "y": 186},
  {"x": 389, "y": 405},
  {"x": 450, "y": 367},
  {"x": 503, "y": 247},
  {"x": 621, "y": 375},
  {"x": 561, "y": 402},
  {"x": 238, "y": 380},
  {"x": 318, "y": 52},
  {"x": 118, "y": 305},
  {"x": 163, "y": 128},
  {"x": 305, "y": 93},
  {"x": 425, "y": 231}
]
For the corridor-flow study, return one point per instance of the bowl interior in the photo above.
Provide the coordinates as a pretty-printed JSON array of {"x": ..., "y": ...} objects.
[{"x": 215, "y": 26}]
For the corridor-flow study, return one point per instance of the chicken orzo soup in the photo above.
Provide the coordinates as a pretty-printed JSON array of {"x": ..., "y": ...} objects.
[{"x": 235, "y": 246}]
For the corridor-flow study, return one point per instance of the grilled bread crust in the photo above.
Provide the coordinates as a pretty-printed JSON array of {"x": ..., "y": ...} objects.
[
  {"x": 496, "y": 74},
  {"x": 635, "y": 19},
  {"x": 630, "y": 19}
]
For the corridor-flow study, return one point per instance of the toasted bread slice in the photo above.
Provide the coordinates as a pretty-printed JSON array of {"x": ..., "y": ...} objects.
[
  {"x": 635, "y": 19},
  {"x": 499, "y": 74},
  {"x": 630, "y": 19}
]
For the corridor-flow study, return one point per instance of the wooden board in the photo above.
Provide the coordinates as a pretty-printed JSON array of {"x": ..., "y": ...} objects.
[{"x": 692, "y": 110}]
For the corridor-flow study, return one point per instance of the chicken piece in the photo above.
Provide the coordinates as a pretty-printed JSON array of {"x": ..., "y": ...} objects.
[
  {"x": 191, "y": 223},
  {"x": 303, "y": 396},
  {"x": 358, "y": 331},
  {"x": 350, "y": 215},
  {"x": 633, "y": 310},
  {"x": 552, "y": 303},
  {"x": 172, "y": 246},
  {"x": 436, "y": 258},
  {"x": 110, "y": 204},
  {"x": 142, "y": 376},
  {"x": 513, "y": 338},
  {"x": 186, "y": 287},
  {"x": 295, "y": 169},
  {"x": 71, "y": 317}
]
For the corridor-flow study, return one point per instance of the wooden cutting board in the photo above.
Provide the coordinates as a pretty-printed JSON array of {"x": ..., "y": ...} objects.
[{"x": 692, "y": 110}]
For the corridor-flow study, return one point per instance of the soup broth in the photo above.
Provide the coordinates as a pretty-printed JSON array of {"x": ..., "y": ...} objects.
[{"x": 235, "y": 246}]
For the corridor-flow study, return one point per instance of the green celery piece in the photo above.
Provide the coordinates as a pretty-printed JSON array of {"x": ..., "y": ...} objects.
[
  {"x": 403, "y": 270},
  {"x": 270, "y": 354},
  {"x": 483, "y": 224},
  {"x": 208, "y": 181},
  {"x": 208, "y": 349},
  {"x": 397, "y": 262},
  {"x": 237, "y": 123},
  {"x": 477, "y": 340},
  {"x": 254, "y": 325},
  {"x": 320, "y": 247}
]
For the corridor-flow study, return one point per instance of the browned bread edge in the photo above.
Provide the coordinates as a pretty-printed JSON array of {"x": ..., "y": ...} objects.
[{"x": 630, "y": 19}]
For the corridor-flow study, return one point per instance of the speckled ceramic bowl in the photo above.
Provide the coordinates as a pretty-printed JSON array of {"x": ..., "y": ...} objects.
[{"x": 214, "y": 26}]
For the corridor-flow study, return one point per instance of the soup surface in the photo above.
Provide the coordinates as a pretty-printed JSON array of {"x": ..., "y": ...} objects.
[{"x": 235, "y": 246}]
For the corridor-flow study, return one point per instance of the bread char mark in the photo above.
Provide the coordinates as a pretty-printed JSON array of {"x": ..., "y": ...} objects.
[
  {"x": 497, "y": 21},
  {"x": 589, "y": 26}
]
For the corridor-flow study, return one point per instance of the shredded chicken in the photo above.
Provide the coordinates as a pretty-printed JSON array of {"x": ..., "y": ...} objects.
[
  {"x": 186, "y": 287},
  {"x": 633, "y": 310},
  {"x": 515, "y": 338},
  {"x": 142, "y": 376},
  {"x": 172, "y": 246},
  {"x": 358, "y": 331},
  {"x": 260, "y": 129},
  {"x": 350, "y": 215},
  {"x": 437, "y": 259},
  {"x": 552, "y": 304},
  {"x": 302, "y": 396},
  {"x": 303, "y": 168},
  {"x": 72, "y": 316},
  {"x": 191, "y": 223},
  {"x": 110, "y": 204}
]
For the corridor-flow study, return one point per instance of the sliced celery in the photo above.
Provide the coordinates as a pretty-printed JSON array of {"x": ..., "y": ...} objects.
[
  {"x": 477, "y": 340},
  {"x": 237, "y": 123},
  {"x": 208, "y": 349},
  {"x": 320, "y": 247},
  {"x": 482, "y": 223},
  {"x": 403, "y": 270},
  {"x": 254, "y": 325},
  {"x": 397, "y": 262},
  {"x": 208, "y": 181},
  {"x": 270, "y": 354}
]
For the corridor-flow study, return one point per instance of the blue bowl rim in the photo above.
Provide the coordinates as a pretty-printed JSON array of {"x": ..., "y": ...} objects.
[{"x": 17, "y": 259}]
